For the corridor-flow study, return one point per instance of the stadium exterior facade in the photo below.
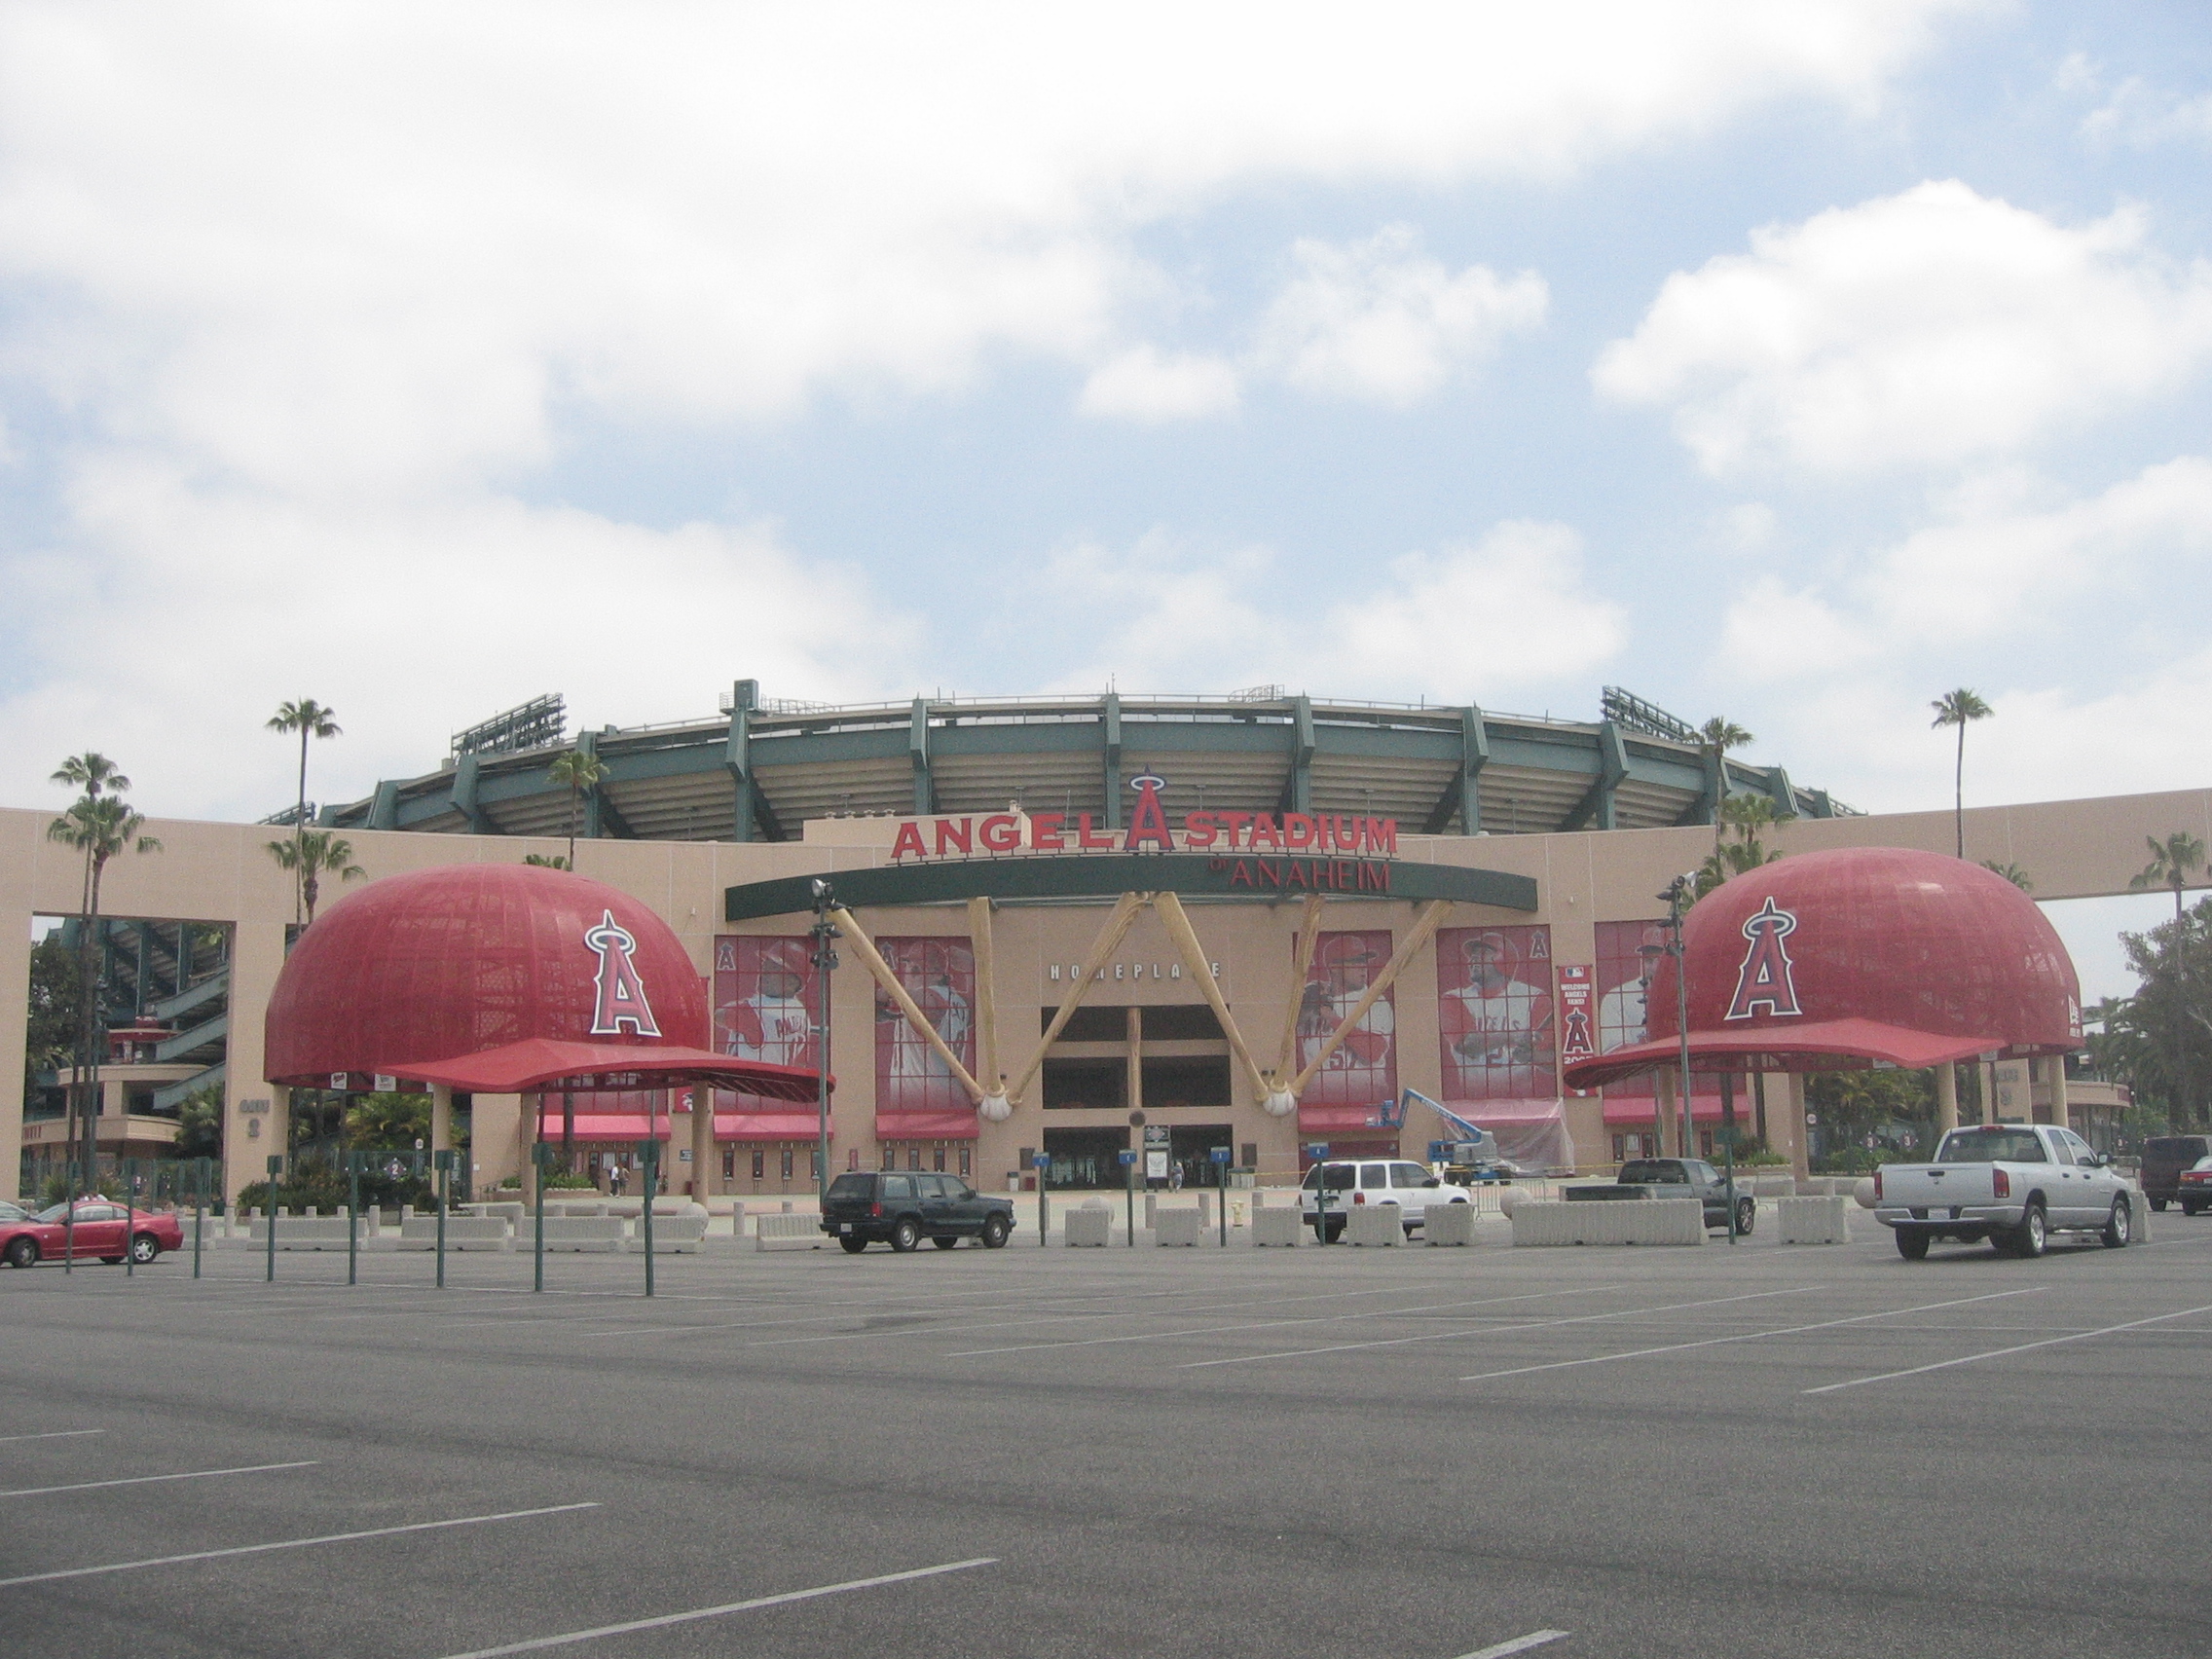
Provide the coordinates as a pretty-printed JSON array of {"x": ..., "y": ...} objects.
[{"x": 1253, "y": 922}]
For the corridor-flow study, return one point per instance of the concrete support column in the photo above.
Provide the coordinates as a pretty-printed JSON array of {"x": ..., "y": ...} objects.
[
  {"x": 441, "y": 1118},
  {"x": 2054, "y": 1068},
  {"x": 1791, "y": 1124},
  {"x": 1946, "y": 1099},
  {"x": 1663, "y": 1146},
  {"x": 703, "y": 1141}
]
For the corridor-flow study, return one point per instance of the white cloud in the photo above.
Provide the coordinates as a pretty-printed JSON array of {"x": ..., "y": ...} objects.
[
  {"x": 1508, "y": 616},
  {"x": 2134, "y": 112},
  {"x": 1997, "y": 566},
  {"x": 1770, "y": 633},
  {"x": 1377, "y": 320},
  {"x": 369, "y": 244},
  {"x": 1926, "y": 328},
  {"x": 2005, "y": 565},
  {"x": 1748, "y": 526},
  {"x": 411, "y": 620},
  {"x": 1147, "y": 385}
]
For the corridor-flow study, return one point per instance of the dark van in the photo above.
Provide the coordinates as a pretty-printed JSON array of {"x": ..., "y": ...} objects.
[{"x": 2164, "y": 1157}]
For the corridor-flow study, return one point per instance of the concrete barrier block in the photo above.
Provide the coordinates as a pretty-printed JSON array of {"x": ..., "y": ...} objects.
[
  {"x": 677, "y": 1236},
  {"x": 1655, "y": 1220},
  {"x": 779, "y": 1232},
  {"x": 1277, "y": 1227},
  {"x": 1087, "y": 1228},
  {"x": 1373, "y": 1224},
  {"x": 306, "y": 1233},
  {"x": 598, "y": 1232},
  {"x": 462, "y": 1233},
  {"x": 1814, "y": 1221},
  {"x": 1449, "y": 1224},
  {"x": 1178, "y": 1226}
]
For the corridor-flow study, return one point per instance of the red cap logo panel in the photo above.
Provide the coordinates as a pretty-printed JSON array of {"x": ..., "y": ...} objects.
[
  {"x": 622, "y": 1004},
  {"x": 1764, "y": 979}
]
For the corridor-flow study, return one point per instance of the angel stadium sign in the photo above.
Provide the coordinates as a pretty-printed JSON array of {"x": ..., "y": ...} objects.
[
  {"x": 1323, "y": 838},
  {"x": 1016, "y": 856}
]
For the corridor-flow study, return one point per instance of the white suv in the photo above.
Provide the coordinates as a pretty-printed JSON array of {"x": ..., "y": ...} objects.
[{"x": 1355, "y": 1182}]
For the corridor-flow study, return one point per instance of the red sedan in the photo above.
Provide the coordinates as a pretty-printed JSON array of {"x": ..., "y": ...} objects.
[{"x": 102, "y": 1229}]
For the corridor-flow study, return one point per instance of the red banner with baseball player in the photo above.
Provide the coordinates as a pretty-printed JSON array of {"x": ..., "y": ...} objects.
[
  {"x": 1494, "y": 995},
  {"x": 911, "y": 1078},
  {"x": 767, "y": 1001},
  {"x": 1496, "y": 1024},
  {"x": 1363, "y": 1070}
]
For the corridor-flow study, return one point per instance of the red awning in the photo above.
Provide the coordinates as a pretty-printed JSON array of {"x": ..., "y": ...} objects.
[
  {"x": 1820, "y": 1045},
  {"x": 957, "y": 1122},
  {"x": 603, "y": 1127},
  {"x": 537, "y": 1062},
  {"x": 768, "y": 1126}
]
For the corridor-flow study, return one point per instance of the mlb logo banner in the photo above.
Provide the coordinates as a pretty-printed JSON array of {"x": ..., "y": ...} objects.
[{"x": 1578, "y": 1033}]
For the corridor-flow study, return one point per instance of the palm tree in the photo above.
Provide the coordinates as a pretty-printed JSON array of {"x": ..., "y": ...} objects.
[
  {"x": 98, "y": 825},
  {"x": 2011, "y": 872},
  {"x": 1956, "y": 709},
  {"x": 542, "y": 862},
  {"x": 309, "y": 718},
  {"x": 2172, "y": 862},
  {"x": 314, "y": 854},
  {"x": 93, "y": 773},
  {"x": 1718, "y": 735},
  {"x": 580, "y": 770}
]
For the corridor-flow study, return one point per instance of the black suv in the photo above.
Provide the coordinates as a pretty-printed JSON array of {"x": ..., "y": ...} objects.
[
  {"x": 2164, "y": 1157},
  {"x": 900, "y": 1209}
]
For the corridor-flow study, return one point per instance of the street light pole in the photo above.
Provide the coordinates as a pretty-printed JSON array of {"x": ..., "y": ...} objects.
[
  {"x": 1675, "y": 888},
  {"x": 826, "y": 935}
]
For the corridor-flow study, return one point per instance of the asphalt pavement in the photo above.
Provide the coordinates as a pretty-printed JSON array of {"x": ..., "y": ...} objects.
[{"x": 1415, "y": 1454}]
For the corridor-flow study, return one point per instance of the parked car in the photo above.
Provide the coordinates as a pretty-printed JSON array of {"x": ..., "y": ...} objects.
[
  {"x": 2164, "y": 1157},
  {"x": 2013, "y": 1184},
  {"x": 1349, "y": 1182},
  {"x": 1678, "y": 1178},
  {"x": 2192, "y": 1189},
  {"x": 102, "y": 1231},
  {"x": 902, "y": 1208}
]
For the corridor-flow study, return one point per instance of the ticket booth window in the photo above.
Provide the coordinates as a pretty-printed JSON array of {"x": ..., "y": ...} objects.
[
  {"x": 759, "y": 1164},
  {"x": 729, "y": 1163},
  {"x": 938, "y": 1165},
  {"x": 915, "y": 1158},
  {"x": 786, "y": 1163},
  {"x": 967, "y": 1164}
]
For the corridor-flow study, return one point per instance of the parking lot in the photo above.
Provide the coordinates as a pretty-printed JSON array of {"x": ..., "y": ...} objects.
[{"x": 1426, "y": 1454}]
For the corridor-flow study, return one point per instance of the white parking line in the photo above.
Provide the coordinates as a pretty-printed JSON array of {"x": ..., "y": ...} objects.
[
  {"x": 1493, "y": 1329},
  {"x": 149, "y": 1480},
  {"x": 51, "y": 1434},
  {"x": 1746, "y": 1336},
  {"x": 2000, "y": 1353},
  {"x": 1519, "y": 1644},
  {"x": 289, "y": 1545},
  {"x": 1276, "y": 1324},
  {"x": 746, "y": 1606}
]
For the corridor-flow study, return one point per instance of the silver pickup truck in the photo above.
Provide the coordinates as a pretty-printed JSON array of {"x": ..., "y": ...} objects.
[{"x": 2013, "y": 1184}]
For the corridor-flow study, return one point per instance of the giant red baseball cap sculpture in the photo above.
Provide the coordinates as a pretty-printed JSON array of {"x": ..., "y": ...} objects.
[
  {"x": 1859, "y": 957},
  {"x": 499, "y": 978}
]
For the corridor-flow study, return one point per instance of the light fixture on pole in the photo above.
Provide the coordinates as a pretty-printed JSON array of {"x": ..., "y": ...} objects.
[{"x": 826, "y": 934}]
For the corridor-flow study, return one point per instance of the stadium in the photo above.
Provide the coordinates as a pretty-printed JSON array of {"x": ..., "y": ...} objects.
[{"x": 1254, "y": 928}]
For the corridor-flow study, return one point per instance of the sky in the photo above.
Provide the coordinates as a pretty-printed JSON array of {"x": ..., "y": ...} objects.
[{"x": 1795, "y": 364}]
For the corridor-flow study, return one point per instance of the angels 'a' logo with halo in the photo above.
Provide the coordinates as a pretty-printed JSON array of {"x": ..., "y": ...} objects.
[
  {"x": 622, "y": 1004},
  {"x": 1764, "y": 979},
  {"x": 1148, "y": 824}
]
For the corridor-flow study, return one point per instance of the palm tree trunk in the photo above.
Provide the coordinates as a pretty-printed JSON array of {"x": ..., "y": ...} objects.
[
  {"x": 90, "y": 1028},
  {"x": 571, "y": 827},
  {"x": 1959, "y": 792},
  {"x": 299, "y": 831}
]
